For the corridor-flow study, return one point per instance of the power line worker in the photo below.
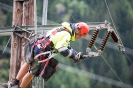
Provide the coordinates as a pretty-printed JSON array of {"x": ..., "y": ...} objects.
[{"x": 57, "y": 39}]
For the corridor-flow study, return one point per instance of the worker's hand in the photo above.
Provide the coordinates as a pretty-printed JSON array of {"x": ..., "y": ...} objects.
[{"x": 78, "y": 56}]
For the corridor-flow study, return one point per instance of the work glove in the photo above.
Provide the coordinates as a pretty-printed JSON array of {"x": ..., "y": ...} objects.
[{"x": 78, "y": 56}]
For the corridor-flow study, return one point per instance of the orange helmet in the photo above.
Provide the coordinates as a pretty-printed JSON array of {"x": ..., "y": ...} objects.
[{"x": 84, "y": 29}]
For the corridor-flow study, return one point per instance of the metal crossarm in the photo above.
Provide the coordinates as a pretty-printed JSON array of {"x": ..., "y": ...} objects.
[
  {"x": 96, "y": 26},
  {"x": 8, "y": 30}
]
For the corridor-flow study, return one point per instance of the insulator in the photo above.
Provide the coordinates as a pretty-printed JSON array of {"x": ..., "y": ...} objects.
[
  {"x": 104, "y": 41},
  {"x": 93, "y": 38},
  {"x": 114, "y": 36}
]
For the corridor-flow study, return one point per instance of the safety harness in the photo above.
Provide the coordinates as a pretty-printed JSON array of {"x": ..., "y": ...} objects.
[
  {"x": 49, "y": 66},
  {"x": 46, "y": 40}
]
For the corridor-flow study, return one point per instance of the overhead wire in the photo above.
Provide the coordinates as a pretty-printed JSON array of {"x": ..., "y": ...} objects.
[
  {"x": 102, "y": 56},
  {"x": 112, "y": 20},
  {"x": 110, "y": 44},
  {"x": 117, "y": 32},
  {"x": 87, "y": 74},
  {"x": 95, "y": 46},
  {"x": 68, "y": 11},
  {"x": 109, "y": 66}
]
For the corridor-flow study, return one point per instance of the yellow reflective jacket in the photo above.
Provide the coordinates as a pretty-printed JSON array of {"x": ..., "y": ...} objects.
[{"x": 62, "y": 38}]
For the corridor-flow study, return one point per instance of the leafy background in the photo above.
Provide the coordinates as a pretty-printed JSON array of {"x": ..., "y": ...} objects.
[{"x": 87, "y": 11}]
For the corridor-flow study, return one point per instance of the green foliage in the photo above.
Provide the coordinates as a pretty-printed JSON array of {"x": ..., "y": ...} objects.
[
  {"x": 65, "y": 79},
  {"x": 87, "y": 11},
  {"x": 4, "y": 70}
]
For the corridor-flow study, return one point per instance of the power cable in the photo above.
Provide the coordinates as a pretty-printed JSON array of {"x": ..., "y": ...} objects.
[
  {"x": 68, "y": 11},
  {"x": 102, "y": 56},
  {"x": 110, "y": 44},
  {"x": 85, "y": 73},
  {"x": 95, "y": 46},
  {"x": 117, "y": 32},
  {"x": 109, "y": 66}
]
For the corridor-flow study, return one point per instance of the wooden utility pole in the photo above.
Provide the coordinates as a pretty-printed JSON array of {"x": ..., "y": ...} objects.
[
  {"x": 16, "y": 41},
  {"x": 23, "y": 15}
]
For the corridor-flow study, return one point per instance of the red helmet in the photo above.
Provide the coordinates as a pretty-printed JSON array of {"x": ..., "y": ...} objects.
[{"x": 84, "y": 29}]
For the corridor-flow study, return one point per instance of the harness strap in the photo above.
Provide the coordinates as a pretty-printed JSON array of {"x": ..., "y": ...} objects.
[
  {"x": 45, "y": 41},
  {"x": 39, "y": 41},
  {"x": 46, "y": 64}
]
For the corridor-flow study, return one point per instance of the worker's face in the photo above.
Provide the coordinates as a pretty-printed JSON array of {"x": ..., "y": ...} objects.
[{"x": 77, "y": 34}]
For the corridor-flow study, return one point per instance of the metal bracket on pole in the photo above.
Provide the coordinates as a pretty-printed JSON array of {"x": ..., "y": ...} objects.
[{"x": 21, "y": 36}]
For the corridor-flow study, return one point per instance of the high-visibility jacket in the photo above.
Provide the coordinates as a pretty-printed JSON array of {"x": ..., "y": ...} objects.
[{"x": 60, "y": 38}]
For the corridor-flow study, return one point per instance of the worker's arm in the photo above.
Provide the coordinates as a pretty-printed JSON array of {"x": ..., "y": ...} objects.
[
  {"x": 63, "y": 47},
  {"x": 71, "y": 53}
]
